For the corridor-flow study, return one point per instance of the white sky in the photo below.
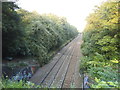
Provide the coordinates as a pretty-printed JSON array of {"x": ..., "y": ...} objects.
[{"x": 74, "y": 10}]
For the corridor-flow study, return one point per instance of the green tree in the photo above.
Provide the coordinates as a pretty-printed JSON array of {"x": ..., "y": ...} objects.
[
  {"x": 11, "y": 29},
  {"x": 101, "y": 46}
]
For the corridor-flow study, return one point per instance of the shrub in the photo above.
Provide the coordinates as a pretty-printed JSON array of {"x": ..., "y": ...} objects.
[{"x": 101, "y": 46}]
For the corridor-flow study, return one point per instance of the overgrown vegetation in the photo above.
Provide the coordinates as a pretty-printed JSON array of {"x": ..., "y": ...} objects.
[
  {"x": 18, "y": 84},
  {"x": 31, "y": 34},
  {"x": 101, "y": 46}
]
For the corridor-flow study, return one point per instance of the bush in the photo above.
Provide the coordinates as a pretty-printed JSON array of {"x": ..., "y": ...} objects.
[
  {"x": 31, "y": 34},
  {"x": 18, "y": 84},
  {"x": 101, "y": 46}
]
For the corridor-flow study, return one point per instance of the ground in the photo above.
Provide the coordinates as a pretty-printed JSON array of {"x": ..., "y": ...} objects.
[{"x": 63, "y": 70}]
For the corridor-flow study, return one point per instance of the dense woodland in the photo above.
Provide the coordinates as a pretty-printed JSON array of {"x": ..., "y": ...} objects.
[
  {"x": 40, "y": 36},
  {"x": 31, "y": 34},
  {"x": 101, "y": 46}
]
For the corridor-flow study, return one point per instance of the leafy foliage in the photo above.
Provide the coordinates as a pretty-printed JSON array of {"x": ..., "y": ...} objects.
[
  {"x": 101, "y": 46},
  {"x": 21, "y": 84},
  {"x": 11, "y": 30},
  {"x": 31, "y": 34},
  {"x": 46, "y": 33},
  {"x": 104, "y": 84}
]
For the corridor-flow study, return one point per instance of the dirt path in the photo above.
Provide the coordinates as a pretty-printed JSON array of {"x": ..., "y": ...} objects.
[{"x": 63, "y": 69}]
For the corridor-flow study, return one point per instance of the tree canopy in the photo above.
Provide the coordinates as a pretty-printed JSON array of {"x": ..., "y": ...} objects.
[
  {"x": 101, "y": 46},
  {"x": 31, "y": 34}
]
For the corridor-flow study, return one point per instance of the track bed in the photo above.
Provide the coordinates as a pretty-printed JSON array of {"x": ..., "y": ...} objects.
[{"x": 63, "y": 70}]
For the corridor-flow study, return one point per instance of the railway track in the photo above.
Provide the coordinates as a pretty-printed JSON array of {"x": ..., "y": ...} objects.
[{"x": 63, "y": 70}]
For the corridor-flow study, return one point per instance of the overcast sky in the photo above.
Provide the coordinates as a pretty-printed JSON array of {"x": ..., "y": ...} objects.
[{"x": 74, "y": 10}]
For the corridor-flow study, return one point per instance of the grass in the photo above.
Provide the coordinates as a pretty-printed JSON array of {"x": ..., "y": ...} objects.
[
  {"x": 17, "y": 64},
  {"x": 7, "y": 83}
]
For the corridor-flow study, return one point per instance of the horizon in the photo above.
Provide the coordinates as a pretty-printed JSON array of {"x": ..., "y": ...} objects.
[{"x": 72, "y": 10}]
